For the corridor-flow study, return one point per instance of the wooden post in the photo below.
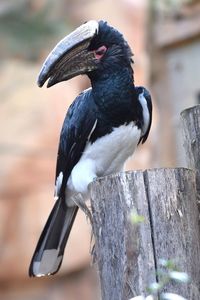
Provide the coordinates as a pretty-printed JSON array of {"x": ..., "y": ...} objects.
[
  {"x": 191, "y": 134},
  {"x": 124, "y": 252},
  {"x": 128, "y": 255},
  {"x": 175, "y": 224}
]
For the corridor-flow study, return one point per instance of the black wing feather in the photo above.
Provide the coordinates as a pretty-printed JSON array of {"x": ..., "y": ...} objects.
[{"x": 77, "y": 126}]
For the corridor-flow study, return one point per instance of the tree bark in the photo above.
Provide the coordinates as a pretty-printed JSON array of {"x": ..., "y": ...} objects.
[
  {"x": 175, "y": 224},
  {"x": 128, "y": 254},
  {"x": 191, "y": 135}
]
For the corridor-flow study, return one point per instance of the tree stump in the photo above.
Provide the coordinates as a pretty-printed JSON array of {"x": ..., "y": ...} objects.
[
  {"x": 128, "y": 254},
  {"x": 191, "y": 136}
]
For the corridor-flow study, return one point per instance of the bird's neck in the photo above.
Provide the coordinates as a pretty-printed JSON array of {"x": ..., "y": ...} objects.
[{"x": 113, "y": 92}]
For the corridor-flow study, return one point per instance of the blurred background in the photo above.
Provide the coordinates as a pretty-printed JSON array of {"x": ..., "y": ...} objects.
[{"x": 165, "y": 38}]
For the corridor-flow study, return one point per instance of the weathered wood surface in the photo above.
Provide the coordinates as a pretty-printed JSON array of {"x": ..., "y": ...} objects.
[
  {"x": 124, "y": 252},
  {"x": 175, "y": 224},
  {"x": 191, "y": 134},
  {"x": 127, "y": 255}
]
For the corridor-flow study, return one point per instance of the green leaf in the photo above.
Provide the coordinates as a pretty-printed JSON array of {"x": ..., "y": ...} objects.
[{"x": 135, "y": 218}]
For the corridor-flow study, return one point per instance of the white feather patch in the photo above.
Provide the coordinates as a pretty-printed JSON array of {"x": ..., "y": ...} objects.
[
  {"x": 48, "y": 264},
  {"x": 146, "y": 115},
  {"x": 59, "y": 180},
  {"x": 105, "y": 156},
  {"x": 93, "y": 128}
]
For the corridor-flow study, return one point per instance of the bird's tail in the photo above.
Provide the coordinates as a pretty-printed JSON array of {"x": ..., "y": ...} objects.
[{"x": 49, "y": 251}]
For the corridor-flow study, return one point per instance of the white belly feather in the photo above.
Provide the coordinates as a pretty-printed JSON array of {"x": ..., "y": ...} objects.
[{"x": 105, "y": 156}]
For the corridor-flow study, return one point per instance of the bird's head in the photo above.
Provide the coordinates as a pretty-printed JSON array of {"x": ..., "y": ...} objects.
[{"x": 90, "y": 49}]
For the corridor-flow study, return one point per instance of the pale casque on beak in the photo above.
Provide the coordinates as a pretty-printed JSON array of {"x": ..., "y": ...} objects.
[{"x": 71, "y": 56}]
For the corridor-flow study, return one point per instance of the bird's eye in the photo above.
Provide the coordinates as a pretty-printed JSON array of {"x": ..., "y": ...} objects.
[{"x": 99, "y": 53}]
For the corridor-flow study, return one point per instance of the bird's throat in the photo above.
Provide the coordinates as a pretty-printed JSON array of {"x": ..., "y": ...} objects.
[{"x": 113, "y": 93}]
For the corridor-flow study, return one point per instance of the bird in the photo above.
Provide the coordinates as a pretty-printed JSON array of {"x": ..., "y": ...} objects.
[{"x": 102, "y": 128}]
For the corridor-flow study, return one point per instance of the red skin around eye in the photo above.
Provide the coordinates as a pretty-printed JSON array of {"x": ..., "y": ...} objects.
[{"x": 99, "y": 53}]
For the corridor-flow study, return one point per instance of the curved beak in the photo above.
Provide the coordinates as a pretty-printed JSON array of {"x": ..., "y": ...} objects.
[{"x": 71, "y": 56}]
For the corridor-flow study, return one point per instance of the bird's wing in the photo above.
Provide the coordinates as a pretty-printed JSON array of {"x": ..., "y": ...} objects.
[
  {"x": 148, "y": 108},
  {"x": 77, "y": 127}
]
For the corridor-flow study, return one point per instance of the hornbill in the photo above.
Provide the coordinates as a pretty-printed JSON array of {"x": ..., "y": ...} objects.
[{"x": 102, "y": 127}]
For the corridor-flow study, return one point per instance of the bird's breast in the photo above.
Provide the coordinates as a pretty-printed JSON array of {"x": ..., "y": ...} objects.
[
  {"x": 110, "y": 151},
  {"x": 105, "y": 156}
]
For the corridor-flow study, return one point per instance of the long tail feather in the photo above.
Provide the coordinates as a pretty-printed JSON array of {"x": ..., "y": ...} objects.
[{"x": 49, "y": 251}]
